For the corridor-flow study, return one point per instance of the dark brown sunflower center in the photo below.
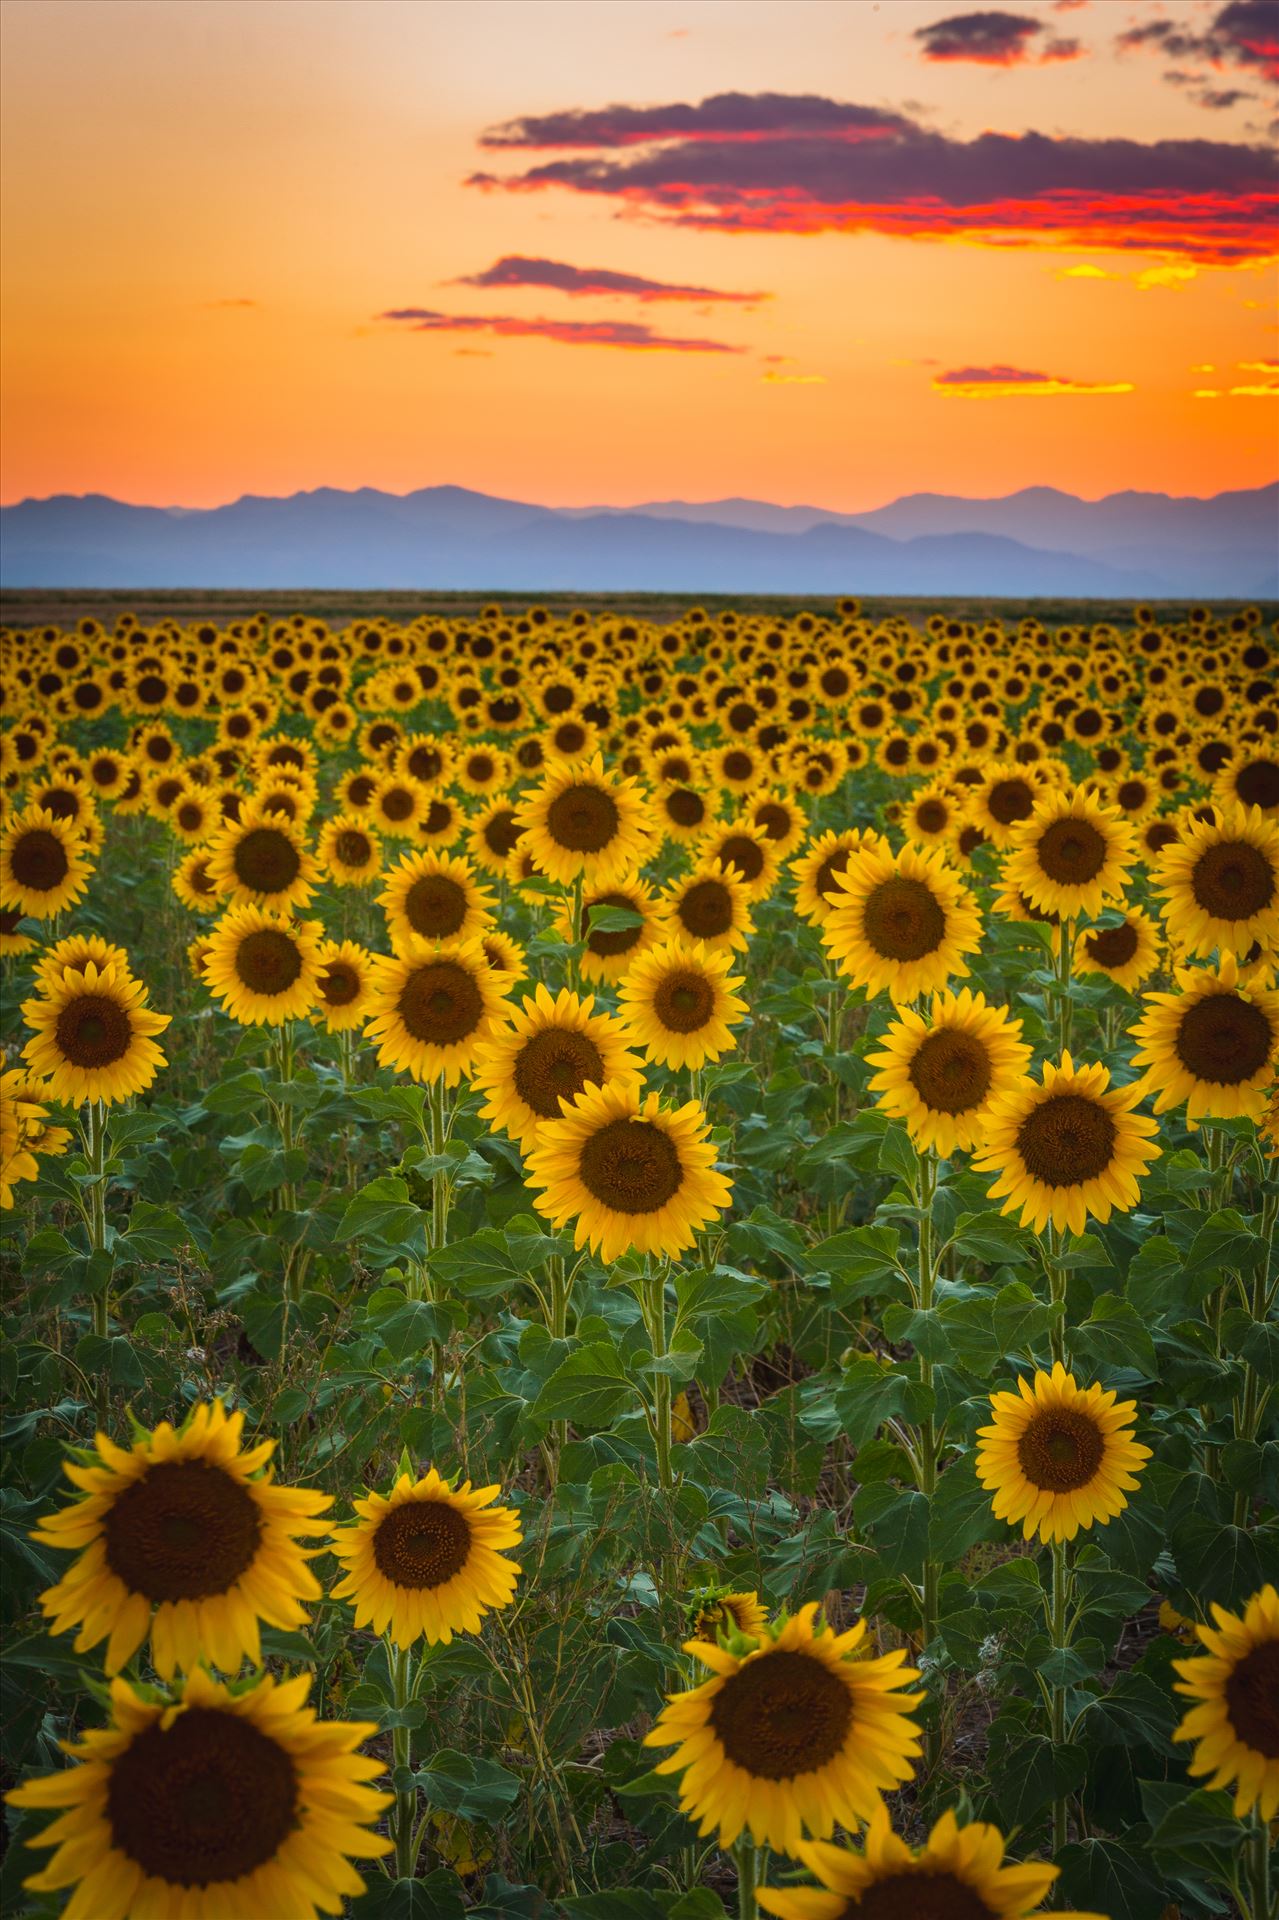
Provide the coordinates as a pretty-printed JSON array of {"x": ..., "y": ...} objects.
[
  {"x": 738, "y": 765},
  {"x": 203, "y": 1803},
  {"x": 782, "y": 1714},
  {"x": 1066, "y": 1140},
  {"x": 435, "y": 906},
  {"x": 686, "y": 808},
  {"x": 1160, "y": 834},
  {"x": 339, "y": 984},
  {"x": 93, "y": 1031},
  {"x": 1011, "y": 800},
  {"x": 1060, "y": 1450},
  {"x": 582, "y": 819},
  {"x": 1071, "y": 852},
  {"x": 951, "y": 1071},
  {"x": 422, "y": 1543},
  {"x": 1224, "y": 1039},
  {"x": 608, "y": 945},
  {"x": 1233, "y": 880},
  {"x": 903, "y": 919},
  {"x": 9, "y": 918},
  {"x": 190, "y": 816},
  {"x": 773, "y": 820},
  {"x": 1113, "y": 946},
  {"x": 268, "y": 961},
  {"x": 684, "y": 1001},
  {"x": 426, "y": 763},
  {"x": 1252, "y": 1699},
  {"x": 1132, "y": 794},
  {"x": 826, "y": 882},
  {"x": 352, "y": 848},
  {"x": 917, "y": 1894},
  {"x": 266, "y": 860},
  {"x": 931, "y": 816},
  {"x": 360, "y": 790},
  {"x": 970, "y": 838},
  {"x": 632, "y": 1166},
  {"x": 706, "y": 909},
  {"x": 480, "y": 767},
  {"x": 1257, "y": 784},
  {"x": 501, "y": 833},
  {"x": 570, "y": 737},
  {"x": 39, "y": 861},
  {"x": 439, "y": 817},
  {"x": 186, "y": 1530},
  {"x": 441, "y": 1003},
  {"x": 556, "y": 1063},
  {"x": 397, "y": 803}
]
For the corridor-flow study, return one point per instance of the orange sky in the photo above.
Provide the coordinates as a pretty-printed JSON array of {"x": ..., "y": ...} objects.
[{"x": 209, "y": 203}]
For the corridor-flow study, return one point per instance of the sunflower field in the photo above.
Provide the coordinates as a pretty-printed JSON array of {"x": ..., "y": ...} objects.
[{"x": 640, "y": 1267}]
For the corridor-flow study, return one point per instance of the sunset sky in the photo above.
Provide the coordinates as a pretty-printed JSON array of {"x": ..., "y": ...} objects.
[{"x": 577, "y": 251}]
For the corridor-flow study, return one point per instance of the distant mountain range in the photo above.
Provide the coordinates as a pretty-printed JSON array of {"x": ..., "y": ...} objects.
[{"x": 1038, "y": 542}]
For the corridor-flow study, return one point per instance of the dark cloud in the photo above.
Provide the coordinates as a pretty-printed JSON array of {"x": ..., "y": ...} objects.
[
  {"x": 984, "y": 382},
  {"x": 1220, "y": 98},
  {"x": 569, "y": 333},
  {"x": 1244, "y": 33},
  {"x": 1205, "y": 200},
  {"x": 721, "y": 118},
  {"x": 994, "y": 39},
  {"x": 515, "y": 270}
]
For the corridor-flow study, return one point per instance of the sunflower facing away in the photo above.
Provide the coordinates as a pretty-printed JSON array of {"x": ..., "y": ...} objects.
[
  {"x": 797, "y": 1733},
  {"x": 427, "y": 1559},
  {"x": 43, "y": 865},
  {"x": 1067, "y": 1148},
  {"x": 210, "y": 1803},
  {"x": 433, "y": 896},
  {"x": 1071, "y": 856},
  {"x": 1235, "y": 1721},
  {"x": 263, "y": 967},
  {"x": 553, "y": 1048},
  {"x": 941, "y": 1073},
  {"x": 900, "y": 923},
  {"x": 1214, "y": 1044},
  {"x": 183, "y": 1537},
  {"x": 582, "y": 820},
  {"x": 719, "y": 1611},
  {"x": 1058, "y": 1456},
  {"x": 1220, "y": 883},
  {"x": 630, "y": 1172},
  {"x": 679, "y": 1003},
  {"x": 92, "y": 1035},
  {"x": 433, "y": 1007}
]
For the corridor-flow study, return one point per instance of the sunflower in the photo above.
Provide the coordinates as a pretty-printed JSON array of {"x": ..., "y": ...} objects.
[
  {"x": 24, "y": 1130},
  {"x": 505, "y": 956},
  {"x": 43, "y": 865},
  {"x": 743, "y": 850},
  {"x": 958, "y": 1874},
  {"x": 582, "y": 821},
  {"x": 1127, "y": 953},
  {"x": 818, "y": 869},
  {"x": 931, "y": 817},
  {"x": 798, "y": 1732},
  {"x": 92, "y": 1035},
  {"x": 1058, "y": 1456},
  {"x": 492, "y": 836},
  {"x": 12, "y": 943},
  {"x": 193, "y": 817},
  {"x": 1249, "y": 778},
  {"x": 774, "y": 814},
  {"x": 1072, "y": 855},
  {"x": 1004, "y": 798},
  {"x": 187, "y": 1524},
  {"x": 263, "y": 967},
  {"x": 397, "y": 804},
  {"x": 344, "y": 990},
  {"x": 632, "y": 1173},
  {"x": 193, "y": 884},
  {"x": 427, "y": 1559},
  {"x": 432, "y": 1007},
  {"x": 432, "y": 897},
  {"x": 1235, "y": 1723},
  {"x": 1213, "y": 1044},
  {"x": 260, "y": 859},
  {"x": 682, "y": 812},
  {"x": 1220, "y": 882},
  {"x": 1066, "y": 1148},
  {"x": 710, "y": 905},
  {"x": 349, "y": 850},
  {"x": 551, "y": 1050},
  {"x": 900, "y": 922},
  {"x": 679, "y": 1002},
  {"x": 211, "y": 1801},
  {"x": 717, "y": 1611},
  {"x": 76, "y": 950},
  {"x": 607, "y": 955},
  {"x": 940, "y": 1074}
]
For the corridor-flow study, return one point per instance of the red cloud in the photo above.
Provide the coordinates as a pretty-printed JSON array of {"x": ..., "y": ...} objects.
[
  {"x": 984, "y": 383},
  {"x": 514, "y": 270},
  {"x": 994, "y": 39},
  {"x": 1209, "y": 201},
  {"x": 569, "y": 333}
]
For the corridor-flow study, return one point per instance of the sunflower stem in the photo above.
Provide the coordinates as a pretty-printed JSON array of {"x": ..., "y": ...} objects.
[
  {"x": 1065, "y": 1005},
  {"x": 928, "y": 1439},
  {"x": 1263, "y": 1906},
  {"x": 95, "y": 1153},
  {"x": 1056, "y": 1292},
  {"x": 654, "y": 1306},
  {"x": 575, "y": 933},
  {"x": 402, "y": 1760},
  {"x": 747, "y": 1878},
  {"x": 1060, "y": 1639}
]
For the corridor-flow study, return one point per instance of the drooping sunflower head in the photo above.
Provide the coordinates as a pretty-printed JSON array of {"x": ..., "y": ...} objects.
[
  {"x": 427, "y": 1560},
  {"x": 630, "y": 1172},
  {"x": 1058, "y": 1456},
  {"x": 185, "y": 1538},
  {"x": 262, "y": 966},
  {"x": 433, "y": 1007},
  {"x": 1067, "y": 1148},
  {"x": 92, "y": 1034},
  {"x": 901, "y": 923},
  {"x": 797, "y": 1733},
  {"x": 680, "y": 1003},
  {"x": 210, "y": 1800},
  {"x": 434, "y": 897},
  {"x": 940, "y": 1072},
  {"x": 1213, "y": 1044},
  {"x": 344, "y": 988},
  {"x": 551, "y": 1050},
  {"x": 1235, "y": 1719},
  {"x": 716, "y": 1611},
  {"x": 1220, "y": 883},
  {"x": 710, "y": 905},
  {"x": 44, "y": 865},
  {"x": 581, "y": 820},
  {"x": 260, "y": 859},
  {"x": 1072, "y": 855}
]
